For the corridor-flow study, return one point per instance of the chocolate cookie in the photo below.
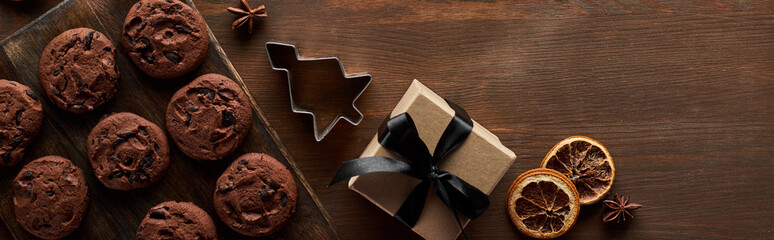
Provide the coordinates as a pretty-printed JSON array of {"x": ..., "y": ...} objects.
[
  {"x": 256, "y": 195},
  {"x": 127, "y": 151},
  {"x": 78, "y": 70},
  {"x": 20, "y": 120},
  {"x": 50, "y": 197},
  {"x": 165, "y": 38},
  {"x": 209, "y": 117},
  {"x": 177, "y": 220}
]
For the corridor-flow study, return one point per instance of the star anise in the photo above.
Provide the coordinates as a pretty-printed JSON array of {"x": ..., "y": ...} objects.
[
  {"x": 246, "y": 15},
  {"x": 620, "y": 207}
]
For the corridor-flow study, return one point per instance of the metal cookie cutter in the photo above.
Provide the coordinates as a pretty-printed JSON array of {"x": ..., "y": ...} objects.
[{"x": 319, "y": 87}]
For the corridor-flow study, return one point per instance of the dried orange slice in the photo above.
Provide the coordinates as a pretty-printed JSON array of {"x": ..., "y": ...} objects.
[
  {"x": 543, "y": 203},
  {"x": 586, "y": 163}
]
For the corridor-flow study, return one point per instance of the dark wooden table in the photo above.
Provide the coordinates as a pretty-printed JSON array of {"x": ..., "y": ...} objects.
[{"x": 681, "y": 93}]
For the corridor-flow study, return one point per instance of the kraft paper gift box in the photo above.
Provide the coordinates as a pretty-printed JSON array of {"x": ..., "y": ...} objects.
[{"x": 481, "y": 161}]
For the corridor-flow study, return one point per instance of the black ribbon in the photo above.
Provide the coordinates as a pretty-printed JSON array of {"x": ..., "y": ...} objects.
[{"x": 399, "y": 135}]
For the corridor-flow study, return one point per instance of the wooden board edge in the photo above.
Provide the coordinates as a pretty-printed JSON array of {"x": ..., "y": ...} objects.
[
  {"x": 274, "y": 136},
  {"x": 35, "y": 21},
  {"x": 5, "y": 225}
]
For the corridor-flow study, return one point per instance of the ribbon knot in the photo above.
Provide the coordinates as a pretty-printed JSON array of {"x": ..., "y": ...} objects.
[
  {"x": 399, "y": 135},
  {"x": 433, "y": 174}
]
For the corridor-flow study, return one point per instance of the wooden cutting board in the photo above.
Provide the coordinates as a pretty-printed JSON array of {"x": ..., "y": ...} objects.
[{"x": 116, "y": 214}]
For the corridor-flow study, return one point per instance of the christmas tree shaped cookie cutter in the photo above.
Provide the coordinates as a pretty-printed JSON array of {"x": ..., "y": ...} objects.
[{"x": 319, "y": 87}]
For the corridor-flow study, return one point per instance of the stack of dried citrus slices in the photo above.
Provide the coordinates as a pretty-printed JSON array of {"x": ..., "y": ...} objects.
[{"x": 544, "y": 203}]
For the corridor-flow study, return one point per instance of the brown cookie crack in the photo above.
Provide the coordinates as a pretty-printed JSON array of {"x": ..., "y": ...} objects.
[
  {"x": 19, "y": 121},
  {"x": 8, "y": 149},
  {"x": 50, "y": 197},
  {"x": 174, "y": 222},
  {"x": 203, "y": 101},
  {"x": 161, "y": 33},
  {"x": 251, "y": 198},
  {"x": 120, "y": 152},
  {"x": 82, "y": 77}
]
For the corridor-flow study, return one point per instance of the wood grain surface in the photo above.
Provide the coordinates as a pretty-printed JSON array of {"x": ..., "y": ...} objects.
[
  {"x": 680, "y": 92},
  {"x": 116, "y": 214}
]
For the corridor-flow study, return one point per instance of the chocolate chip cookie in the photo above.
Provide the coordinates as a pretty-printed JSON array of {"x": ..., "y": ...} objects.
[
  {"x": 177, "y": 220},
  {"x": 209, "y": 117},
  {"x": 50, "y": 197},
  {"x": 78, "y": 70},
  {"x": 256, "y": 195},
  {"x": 20, "y": 120},
  {"x": 165, "y": 38},
  {"x": 127, "y": 151}
]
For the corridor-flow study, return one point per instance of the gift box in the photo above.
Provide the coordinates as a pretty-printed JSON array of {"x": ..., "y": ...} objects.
[{"x": 481, "y": 160}]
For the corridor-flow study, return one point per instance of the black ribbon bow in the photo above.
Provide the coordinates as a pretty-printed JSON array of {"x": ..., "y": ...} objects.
[{"x": 399, "y": 135}]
